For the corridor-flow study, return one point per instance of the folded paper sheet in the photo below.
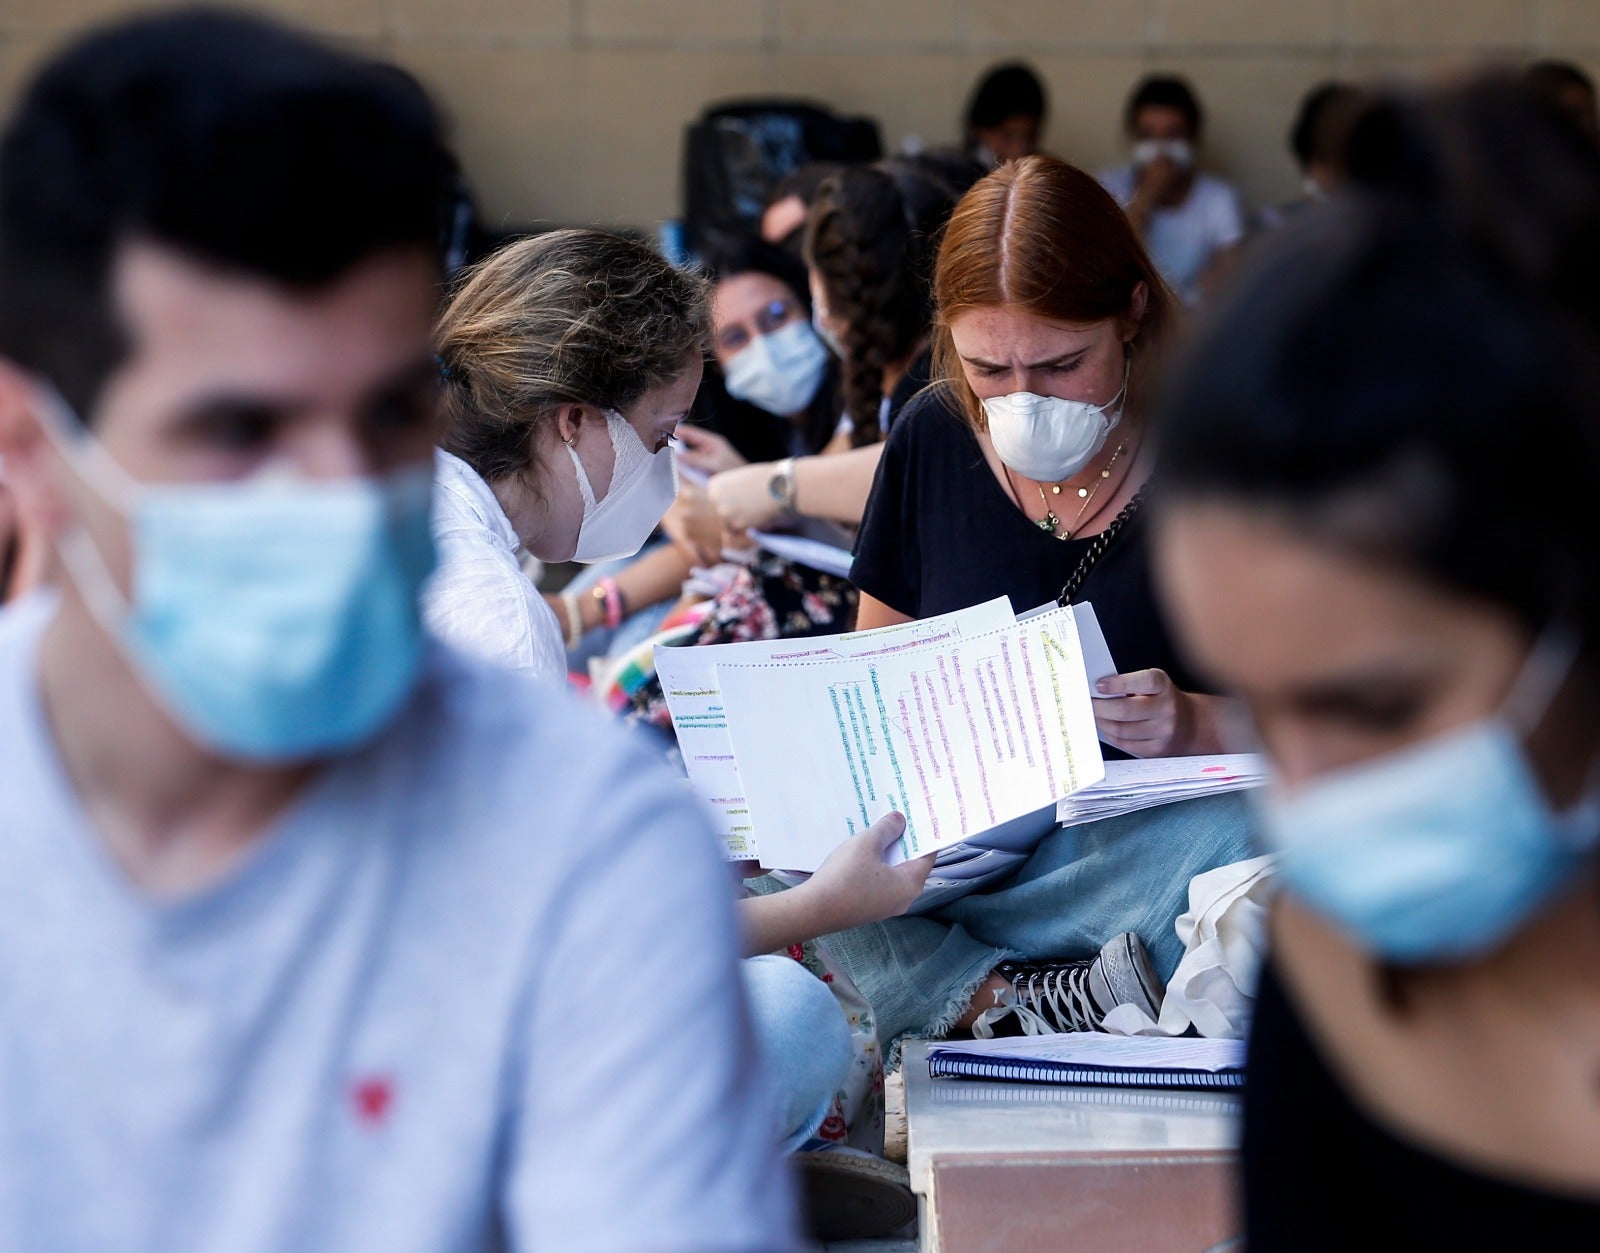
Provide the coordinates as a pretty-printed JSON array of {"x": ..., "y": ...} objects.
[
  {"x": 689, "y": 680},
  {"x": 960, "y": 731}
]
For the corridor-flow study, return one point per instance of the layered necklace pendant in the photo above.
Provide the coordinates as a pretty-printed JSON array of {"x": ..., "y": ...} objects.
[{"x": 1051, "y": 523}]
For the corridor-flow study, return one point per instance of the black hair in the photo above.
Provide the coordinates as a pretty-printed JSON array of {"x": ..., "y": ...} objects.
[
  {"x": 802, "y": 182},
  {"x": 228, "y": 138},
  {"x": 757, "y": 256},
  {"x": 1321, "y": 126},
  {"x": 1412, "y": 374},
  {"x": 1551, "y": 83},
  {"x": 1553, "y": 76},
  {"x": 1165, "y": 91},
  {"x": 955, "y": 171},
  {"x": 1006, "y": 91}
]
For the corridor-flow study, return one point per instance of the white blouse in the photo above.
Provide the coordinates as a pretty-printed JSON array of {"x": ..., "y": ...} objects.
[{"x": 479, "y": 600}]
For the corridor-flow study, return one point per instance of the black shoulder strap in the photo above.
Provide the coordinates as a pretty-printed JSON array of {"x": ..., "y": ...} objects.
[{"x": 1098, "y": 547}]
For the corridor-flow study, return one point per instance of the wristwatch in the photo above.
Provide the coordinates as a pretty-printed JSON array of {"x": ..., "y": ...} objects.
[{"x": 781, "y": 484}]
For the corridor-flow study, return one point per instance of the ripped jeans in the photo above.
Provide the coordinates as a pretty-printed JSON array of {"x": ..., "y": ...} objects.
[{"x": 1082, "y": 886}]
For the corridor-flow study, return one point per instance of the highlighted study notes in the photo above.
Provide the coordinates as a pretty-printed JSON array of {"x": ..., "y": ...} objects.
[
  {"x": 962, "y": 722},
  {"x": 692, "y": 686}
]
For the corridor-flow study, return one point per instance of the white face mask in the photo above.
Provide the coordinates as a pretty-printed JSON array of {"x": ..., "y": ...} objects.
[
  {"x": 1179, "y": 151},
  {"x": 779, "y": 372},
  {"x": 1048, "y": 439},
  {"x": 643, "y": 486}
]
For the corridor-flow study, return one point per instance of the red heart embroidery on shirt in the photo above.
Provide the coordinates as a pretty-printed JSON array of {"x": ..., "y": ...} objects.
[{"x": 373, "y": 1098}]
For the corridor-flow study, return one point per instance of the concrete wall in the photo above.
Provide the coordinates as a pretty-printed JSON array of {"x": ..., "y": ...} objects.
[{"x": 572, "y": 110}]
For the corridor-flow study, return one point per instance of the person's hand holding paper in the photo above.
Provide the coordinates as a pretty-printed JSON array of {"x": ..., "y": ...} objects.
[
  {"x": 1144, "y": 712},
  {"x": 858, "y": 883}
]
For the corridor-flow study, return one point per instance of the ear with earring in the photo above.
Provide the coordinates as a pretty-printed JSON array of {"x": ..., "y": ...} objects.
[{"x": 573, "y": 420}]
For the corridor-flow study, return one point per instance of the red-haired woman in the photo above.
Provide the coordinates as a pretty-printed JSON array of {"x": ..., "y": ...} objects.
[{"x": 1021, "y": 474}]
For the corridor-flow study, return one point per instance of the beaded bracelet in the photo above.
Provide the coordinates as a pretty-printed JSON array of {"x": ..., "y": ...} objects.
[{"x": 574, "y": 619}]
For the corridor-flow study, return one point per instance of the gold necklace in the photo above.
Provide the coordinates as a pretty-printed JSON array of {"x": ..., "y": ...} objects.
[{"x": 1050, "y": 522}]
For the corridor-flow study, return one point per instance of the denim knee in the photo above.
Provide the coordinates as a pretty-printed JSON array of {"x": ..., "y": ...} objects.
[{"x": 803, "y": 1039}]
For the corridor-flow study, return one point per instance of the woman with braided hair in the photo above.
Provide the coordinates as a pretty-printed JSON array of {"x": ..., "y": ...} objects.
[{"x": 869, "y": 247}]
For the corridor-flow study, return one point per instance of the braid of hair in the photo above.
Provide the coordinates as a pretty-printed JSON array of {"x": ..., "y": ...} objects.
[
  {"x": 855, "y": 293},
  {"x": 865, "y": 248}
]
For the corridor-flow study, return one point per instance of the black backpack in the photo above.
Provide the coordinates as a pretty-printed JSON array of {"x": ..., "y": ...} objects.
[{"x": 735, "y": 153}]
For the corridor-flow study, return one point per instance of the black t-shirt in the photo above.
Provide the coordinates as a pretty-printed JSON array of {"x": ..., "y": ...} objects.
[
  {"x": 1320, "y": 1174},
  {"x": 941, "y": 533}
]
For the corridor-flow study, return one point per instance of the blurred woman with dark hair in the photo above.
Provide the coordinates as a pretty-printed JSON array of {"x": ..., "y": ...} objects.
[
  {"x": 1377, "y": 525},
  {"x": 869, "y": 248}
]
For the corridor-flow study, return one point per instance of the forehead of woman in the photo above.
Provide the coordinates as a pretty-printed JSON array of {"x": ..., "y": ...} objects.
[
  {"x": 1012, "y": 335},
  {"x": 1264, "y": 607},
  {"x": 740, "y": 297}
]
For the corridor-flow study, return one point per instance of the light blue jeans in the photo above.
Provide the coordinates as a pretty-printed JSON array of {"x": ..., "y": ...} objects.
[
  {"x": 1082, "y": 886},
  {"x": 803, "y": 1039}
]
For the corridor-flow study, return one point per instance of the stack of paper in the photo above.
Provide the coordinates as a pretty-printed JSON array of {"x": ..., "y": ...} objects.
[
  {"x": 964, "y": 723},
  {"x": 1134, "y": 785}
]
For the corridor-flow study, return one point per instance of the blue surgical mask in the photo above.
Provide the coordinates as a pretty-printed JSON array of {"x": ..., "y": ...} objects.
[
  {"x": 779, "y": 372},
  {"x": 1440, "y": 852},
  {"x": 276, "y": 619}
]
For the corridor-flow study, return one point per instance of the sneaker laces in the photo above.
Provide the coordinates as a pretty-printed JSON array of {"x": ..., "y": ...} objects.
[
  {"x": 1006, "y": 1005},
  {"x": 1061, "y": 997}
]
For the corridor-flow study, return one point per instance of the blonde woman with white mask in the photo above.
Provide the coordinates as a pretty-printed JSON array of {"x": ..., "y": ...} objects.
[{"x": 568, "y": 359}]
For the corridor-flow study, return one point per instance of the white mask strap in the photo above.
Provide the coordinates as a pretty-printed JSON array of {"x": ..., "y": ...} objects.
[
  {"x": 585, "y": 488},
  {"x": 1127, "y": 369},
  {"x": 1541, "y": 677},
  {"x": 87, "y": 567},
  {"x": 88, "y": 457}
]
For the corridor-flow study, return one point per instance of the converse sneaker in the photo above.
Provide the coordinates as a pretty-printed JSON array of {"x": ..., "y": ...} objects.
[{"x": 1050, "y": 996}]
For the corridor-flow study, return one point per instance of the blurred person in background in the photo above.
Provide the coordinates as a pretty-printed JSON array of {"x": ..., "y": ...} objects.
[
  {"x": 1569, "y": 92},
  {"x": 1317, "y": 141},
  {"x": 769, "y": 356},
  {"x": 775, "y": 390},
  {"x": 783, "y": 220},
  {"x": 869, "y": 249},
  {"x": 772, "y": 392},
  {"x": 1006, "y": 115},
  {"x": 1189, "y": 219},
  {"x": 316, "y": 934},
  {"x": 1376, "y": 526}
]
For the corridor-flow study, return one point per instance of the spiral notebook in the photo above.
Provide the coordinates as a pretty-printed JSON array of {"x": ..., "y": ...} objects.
[{"x": 1094, "y": 1059}]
